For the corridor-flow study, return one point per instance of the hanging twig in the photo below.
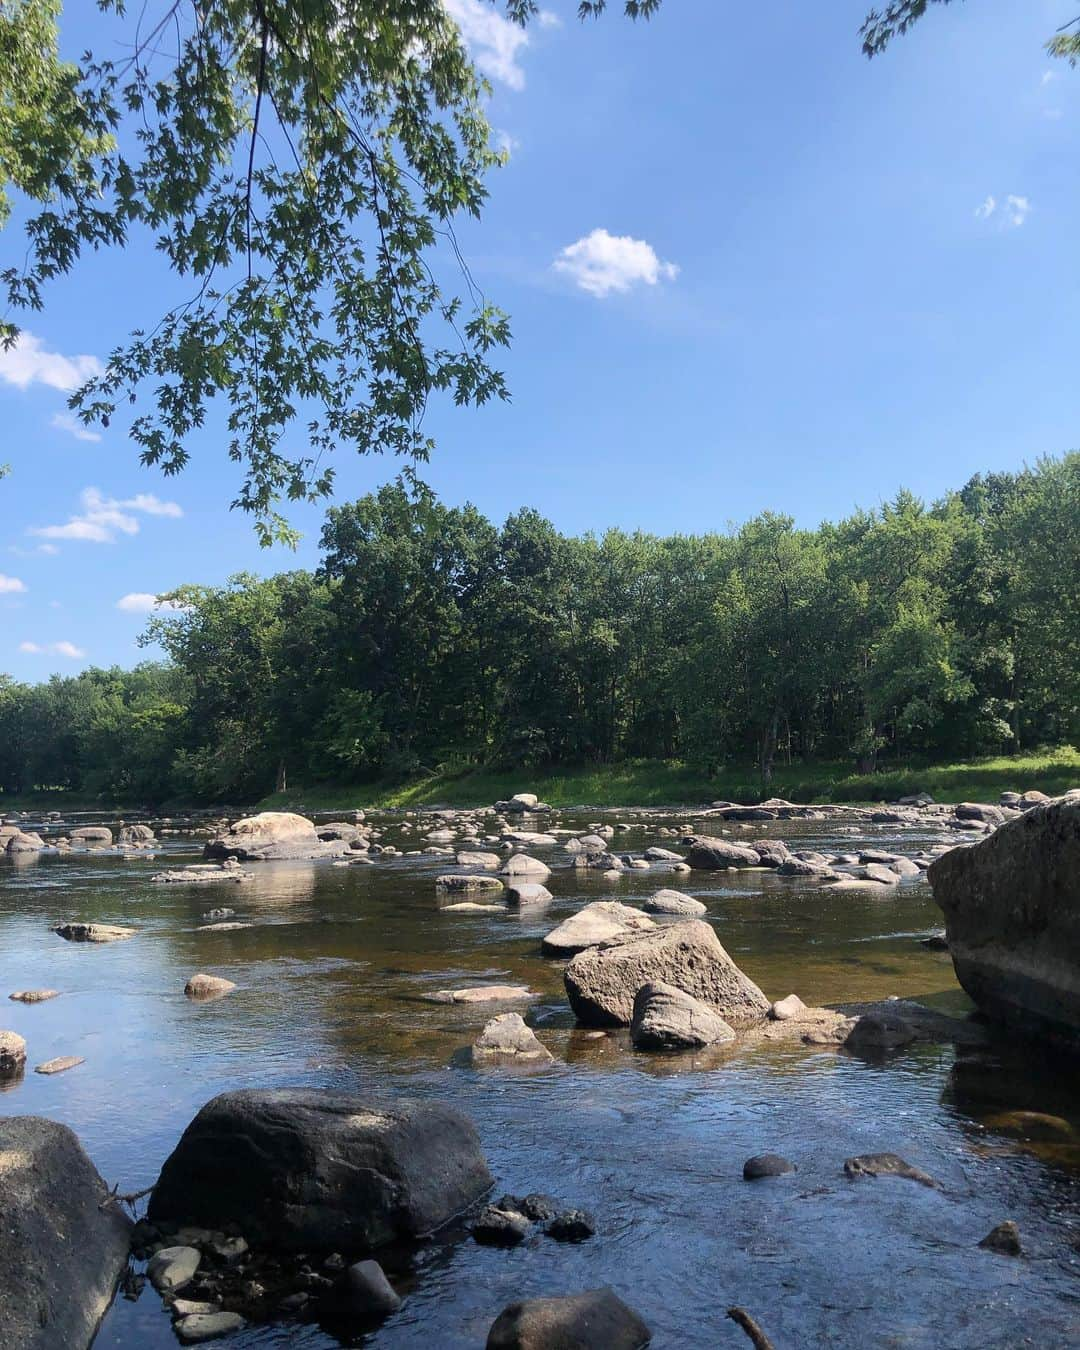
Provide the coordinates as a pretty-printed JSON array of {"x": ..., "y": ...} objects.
[{"x": 757, "y": 1336}]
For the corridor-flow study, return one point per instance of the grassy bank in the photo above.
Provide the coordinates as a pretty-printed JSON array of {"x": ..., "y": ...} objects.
[{"x": 660, "y": 783}]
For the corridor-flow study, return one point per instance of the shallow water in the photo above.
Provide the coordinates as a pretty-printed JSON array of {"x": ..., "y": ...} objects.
[{"x": 329, "y": 982}]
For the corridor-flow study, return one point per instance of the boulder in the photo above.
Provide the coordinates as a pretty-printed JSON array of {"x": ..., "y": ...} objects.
[
  {"x": 64, "y": 1246},
  {"x": 506, "y": 1037},
  {"x": 368, "y": 1291},
  {"x": 25, "y": 843},
  {"x": 600, "y": 922},
  {"x": 94, "y": 836},
  {"x": 666, "y": 1018},
  {"x": 521, "y": 865},
  {"x": 655, "y": 854},
  {"x": 787, "y": 1009},
  {"x": 272, "y": 835},
  {"x": 983, "y": 813},
  {"x": 488, "y": 861},
  {"x": 1003, "y": 1239},
  {"x": 571, "y": 1225},
  {"x": 770, "y": 852},
  {"x": 1032, "y": 798},
  {"x": 709, "y": 854},
  {"x": 601, "y": 982},
  {"x": 462, "y": 882},
  {"x": 520, "y": 894},
  {"x": 136, "y": 836},
  {"x": 173, "y": 1268},
  {"x": 337, "y": 829},
  {"x": 805, "y": 867},
  {"x": 879, "y": 1031},
  {"x": 766, "y": 1165},
  {"x": 92, "y": 932},
  {"x": 208, "y": 986},
  {"x": 1012, "y": 919},
  {"x": 495, "y": 1227},
  {"x": 595, "y": 1320},
  {"x": 674, "y": 902},
  {"x": 308, "y": 1170},
  {"x": 12, "y": 1054}
]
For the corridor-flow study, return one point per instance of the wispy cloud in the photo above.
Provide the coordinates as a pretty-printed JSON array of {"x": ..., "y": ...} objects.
[
  {"x": 11, "y": 585},
  {"x": 29, "y": 362},
  {"x": 548, "y": 19},
  {"x": 142, "y": 602},
  {"x": 505, "y": 142},
  {"x": 103, "y": 518},
  {"x": 494, "y": 42},
  {"x": 70, "y": 423},
  {"x": 1009, "y": 214},
  {"x": 600, "y": 263},
  {"x": 67, "y": 649},
  {"x": 1048, "y": 77}
]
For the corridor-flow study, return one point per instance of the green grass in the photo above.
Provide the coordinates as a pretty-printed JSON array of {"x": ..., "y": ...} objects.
[{"x": 661, "y": 783}]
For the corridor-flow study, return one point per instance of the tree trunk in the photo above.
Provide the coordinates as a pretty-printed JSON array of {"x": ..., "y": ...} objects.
[{"x": 282, "y": 781}]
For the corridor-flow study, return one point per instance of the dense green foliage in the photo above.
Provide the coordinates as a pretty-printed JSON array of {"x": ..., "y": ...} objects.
[{"x": 430, "y": 638}]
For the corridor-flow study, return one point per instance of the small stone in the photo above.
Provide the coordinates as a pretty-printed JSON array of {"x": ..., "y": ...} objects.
[
  {"x": 507, "y": 1037},
  {"x": 208, "y": 987},
  {"x": 369, "y": 1292},
  {"x": 538, "y": 1207},
  {"x": 595, "y": 1320},
  {"x": 173, "y": 1268},
  {"x": 786, "y": 1009},
  {"x": 500, "y": 1227},
  {"x": 60, "y": 1064},
  {"x": 886, "y": 1165},
  {"x": 12, "y": 1053},
  {"x": 879, "y": 1031},
  {"x": 33, "y": 995},
  {"x": 207, "y": 1326},
  {"x": 335, "y": 1261},
  {"x": 193, "y": 1307},
  {"x": 766, "y": 1165},
  {"x": 1004, "y": 1239},
  {"x": 483, "y": 993},
  {"x": 92, "y": 932},
  {"x": 572, "y": 1225}
]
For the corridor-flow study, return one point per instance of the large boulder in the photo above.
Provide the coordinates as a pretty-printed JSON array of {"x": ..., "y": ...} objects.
[
  {"x": 666, "y": 1018},
  {"x": 306, "y": 1170},
  {"x": 64, "y": 1245},
  {"x": 1012, "y": 919},
  {"x": 94, "y": 836},
  {"x": 602, "y": 982},
  {"x": 21, "y": 842},
  {"x": 709, "y": 854},
  {"x": 272, "y": 835},
  {"x": 595, "y": 1320},
  {"x": 600, "y": 922},
  {"x": 136, "y": 836}
]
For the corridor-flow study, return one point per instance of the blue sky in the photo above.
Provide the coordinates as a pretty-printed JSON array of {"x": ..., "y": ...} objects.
[{"x": 746, "y": 269}]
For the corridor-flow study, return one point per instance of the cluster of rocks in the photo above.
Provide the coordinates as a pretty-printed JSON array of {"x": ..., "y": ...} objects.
[
  {"x": 510, "y": 1220},
  {"x": 15, "y": 840}
]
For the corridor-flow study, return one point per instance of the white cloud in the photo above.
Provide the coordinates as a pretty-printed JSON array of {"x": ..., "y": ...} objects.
[
  {"x": 1048, "y": 77},
  {"x": 11, "y": 585},
  {"x": 986, "y": 210},
  {"x": 547, "y": 19},
  {"x": 1017, "y": 209},
  {"x": 142, "y": 602},
  {"x": 67, "y": 649},
  {"x": 103, "y": 518},
  {"x": 495, "y": 42},
  {"x": 600, "y": 263},
  {"x": 1010, "y": 214},
  {"x": 27, "y": 363},
  {"x": 505, "y": 142},
  {"x": 71, "y": 424}
]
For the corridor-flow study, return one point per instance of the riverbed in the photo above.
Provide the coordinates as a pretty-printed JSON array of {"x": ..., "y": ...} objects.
[{"x": 331, "y": 978}]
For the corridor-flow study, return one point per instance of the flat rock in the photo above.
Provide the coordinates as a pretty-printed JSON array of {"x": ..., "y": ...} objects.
[
  {"x": 886, "y": 1165},
  {"x": 199, "y": 1327},
  {"x": 595, "y": 1320},
  {"x": 92, "y": 932},
  {"x": 655, "y": 854},
  {"x": 483, "y": 993},
  {"x": 457, "y": 882},
  {"x": 208, "y": 987},
  {"x": 602, "y": 921},
  {"x": 172, "y": 1268},
  {"x": 229, "y": 926},
  {"x": 674, "y": 902},
  {"x": 666, "y": 1018},
  {"x": 710, "y": 854},
  {"x": 33, "y": 995},
  {"x": 506, "y": 1037},
  {"x": 489, "y": 861},
  {"x": 61, "y": 1064}
]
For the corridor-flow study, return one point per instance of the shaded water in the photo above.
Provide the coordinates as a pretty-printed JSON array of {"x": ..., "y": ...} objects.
[{"x": 329, "y": 982}]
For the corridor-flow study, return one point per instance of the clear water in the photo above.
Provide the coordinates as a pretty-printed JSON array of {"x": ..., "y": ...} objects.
[{"x": 329, "y": 978}]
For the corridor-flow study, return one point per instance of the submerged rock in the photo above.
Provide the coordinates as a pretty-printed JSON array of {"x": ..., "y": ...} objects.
[
  {"x": 666, "y": 1018},
  {"x": 879, "y": 1031},
  {"x": 60, "y": 1065},
  {"x": 92, "y": 932},
  {"x": 1003, "y": 1239},
  {"x": 595, "y": 1320},
  {"x": 766, "y": 1165},
  {"x": 886, "y": 1165},
  {"x": 208, "y": 986},
  {"x": 483, "y": 993},
  {"x": 199, "y": 1327},
  {"x": 368, "y": 1291},
  {"x": 33, "y": 995}
]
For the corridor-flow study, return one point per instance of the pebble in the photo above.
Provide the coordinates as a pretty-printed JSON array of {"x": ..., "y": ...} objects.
[{"x": 207, "y": 1326}]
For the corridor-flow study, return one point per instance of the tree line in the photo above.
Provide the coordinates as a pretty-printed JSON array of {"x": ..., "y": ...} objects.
[{"x": 430, "y": 637}]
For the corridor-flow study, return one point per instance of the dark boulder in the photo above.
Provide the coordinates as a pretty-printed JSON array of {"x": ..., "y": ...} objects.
[
  {"x": 595, "y": 1320},
  {"x": 709, "y": 854},
  {"x": 766, "y": 1165}
]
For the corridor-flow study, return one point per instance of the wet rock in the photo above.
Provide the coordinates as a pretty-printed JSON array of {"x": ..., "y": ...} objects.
[
  {"x": 770, "y": 852},
  {"x": 208, "y": 987},
  {"x": 21, "y": 842},
  {"x": 537, "y": 1207},
  {"x": 272, "y": 835},
  {"x": 457, "y": 883},
  {"x": 521, "y": 865},
  {"x": 506, "y": 1037},
  {"x": 93, "y": 836},
  {"x": 368, "y": 1291},
  {"x": 709, "y": 854},
  {"x": 766, "y": 1165},
  {"x": 674, "y": 902},
  {"x": 601, "y": 982},
  {"x": 489, "y": 861},
  {"x": 879, "y": 1031},
  {"x": 12, "y": 1054},
  {"x": 92, "y": 932},
  {"x": 173, "y": 1267},
  {"x": 666, "y": 1018},
  {"x": 595, "y": 1320},
  {"x": 1004, "y": 1239},
  {"x": 306, "y": 1170},
  {"x": 500, "y": 1227},
  {"x": 886, "y": 1165},
  {"x": 787, "y": 1009},
  {"x": 1012, "y": 915},
  {"x": 878, "y": 872},
  {"x": 935, "y": 941},
  {"x": 520, "y": 894},
  {"x": 572, "y": 1225},
  {"x": 64, "y": 1245},
  {"x": 136, "y": 836},
  {"x": 655, "y": 854},
  {"x": 201, "y": 1327},
  {"x": 33, "y": 995},
  {"x": 805, "y": 867},
  {"x": 601, "y": 922},
  {"x": 60, "y": 1065},
  {"x": 483, "y": 993},
  {"x": 192, "y": 1307},
  {"x": 230, "y": 926}
]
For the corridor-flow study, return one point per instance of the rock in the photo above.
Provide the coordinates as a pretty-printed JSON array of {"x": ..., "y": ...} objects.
[
  {"x": 368, "y": 1291},
  {"x": 64, "y": 1246},
  {"x": 33, "y": 995},
  {"x": 770, "y": 852},
  {"x": 803, "y": 867},
  {"x": 655, "y": 854},
  {"x": 536, "y": 1206},
  {"x": 601, "y": 982},
  {"x": 192, "y": 1307},
  {"x": 766, "y": 1165},
  {"x": 916, "y": 799},
  {"x": 489, "y": 861},
  {"x": 208, "y": 986},
  {"x": 12, "y": 1054},
  {"x": 500, "y": 1227},
  {"x": 674, "y": 902},
  {"x": 308, "y": 1170},
  {"x": 524, "y": 801},
  {"x": 136, "y": 836},
  {"x": 879, "y": 1031},
  {"x": 272, "y": 835},
  {"x": 1031, "y": 798},
  {"x": 905, "y": 867},
  {"x": 709, "y": 854},
  {"x": 595, "y": 1320},
  {"x": 93, "y": 932},
  {"x": 520, "y": 894},
  {"x": 337, "y": 829},
  {"x": 885, "y": 1165},
  {"x": 470, "y": 907},
  {"x": 457, "y": 883},
  {"x": 173, "y": 1267},
  {"x": 483, "y": 993},
  {"x": 200, "y": 1327},
  {"x": 506, "y": 1037},
  {"x": 787, "y": 1009},
  {"x": 984, "y": 814},
  {"x": 666, "y": 1018},
  {"x": 601, "y": 922},
  {"x": 1003, "y": 1239},
  {"x": 1012, "y": 919},
  {"x": 94, "y": 836},
  {"x": 21, "y": 842},
  {"x": 60, "y": 1064},
  {"x": 878, "y": 872},
  {"x": 231, "y": 926},
  {"x": 935, "y": 941},
  {"x": 521, "y": 865},
  {"x": 572, "y": 1225}
]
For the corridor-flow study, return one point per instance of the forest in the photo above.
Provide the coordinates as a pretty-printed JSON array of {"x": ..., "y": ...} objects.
[{"x": 431, "y": 637}]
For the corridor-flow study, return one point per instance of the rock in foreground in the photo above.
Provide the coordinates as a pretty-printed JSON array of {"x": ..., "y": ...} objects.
[
  {"x": 602, "y": 982},
  {"x": 595, "y": 1320},
  {"x": 63, "y": 1246},
  {"x": 666, "y": 1018},
  {"x": 601, "y": 922},
  {"x": 1012, "y": 919},
  {"x": 309, "y": 1170}
]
